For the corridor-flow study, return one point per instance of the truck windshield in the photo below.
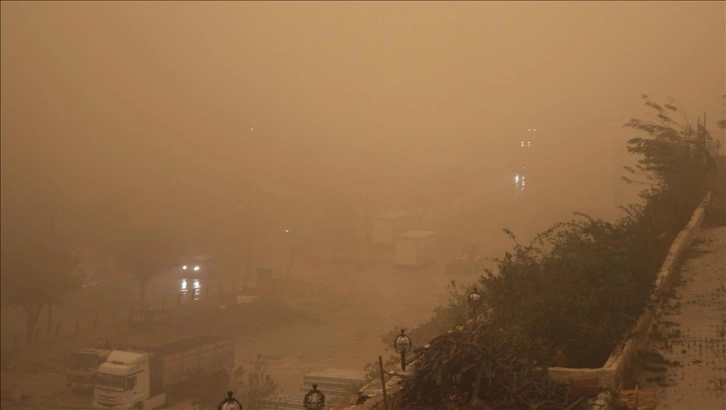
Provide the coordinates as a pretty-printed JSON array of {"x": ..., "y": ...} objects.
[
  {"x": 111, "y": 382},
  {"x": 82, "y": 361}
]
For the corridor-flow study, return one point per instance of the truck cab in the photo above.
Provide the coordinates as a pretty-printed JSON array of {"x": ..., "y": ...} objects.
[
  {"x": 82, "y": 367},
  {"x": 123, "y": 382},
  {"x": 160, "y": 374}
]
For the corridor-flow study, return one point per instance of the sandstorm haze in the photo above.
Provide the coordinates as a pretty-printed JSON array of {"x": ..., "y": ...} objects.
[
  {"x": 167, "y": 108},
  {"x": 263, "y": 138}
]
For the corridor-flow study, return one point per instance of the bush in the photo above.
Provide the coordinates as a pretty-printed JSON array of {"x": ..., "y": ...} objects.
[{"x": 578, "y": 287}]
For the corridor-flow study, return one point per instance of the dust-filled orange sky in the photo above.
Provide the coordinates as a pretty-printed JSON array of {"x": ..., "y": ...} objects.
[{"x": 167, "y": 106}]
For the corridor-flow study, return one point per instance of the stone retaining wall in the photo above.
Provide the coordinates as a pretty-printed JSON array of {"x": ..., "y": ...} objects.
[{"x": 611, "y": 374}]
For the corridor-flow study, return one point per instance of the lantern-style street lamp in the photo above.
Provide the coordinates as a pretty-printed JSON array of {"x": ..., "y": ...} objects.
[
  {"x": 314, "y": 399},
  {"x": 230, "y": 403},
  {"x": 402, "y": 344},
  {"x": 474, "y": 301}
]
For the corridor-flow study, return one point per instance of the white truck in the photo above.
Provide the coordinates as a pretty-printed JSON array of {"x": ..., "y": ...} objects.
[{"x": 157, "y": 376}]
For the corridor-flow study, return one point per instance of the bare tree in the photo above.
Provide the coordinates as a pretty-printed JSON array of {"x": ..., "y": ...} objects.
[
  {"x": 253, "y": 385},
  {"x": 145, "y": 253},
  {"x": 35, "y": 275}
]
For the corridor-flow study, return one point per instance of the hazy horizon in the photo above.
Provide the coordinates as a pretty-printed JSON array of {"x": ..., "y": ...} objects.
[{"x": 168, "y": 108}]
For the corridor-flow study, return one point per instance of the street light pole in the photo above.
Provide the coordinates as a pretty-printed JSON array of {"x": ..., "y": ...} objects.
[
  {"x": 230, "y": 403},
  {"x": 474, "y": 301},
  {"x": 402, "y": 344},
  {"x": 314, "y": 399}
]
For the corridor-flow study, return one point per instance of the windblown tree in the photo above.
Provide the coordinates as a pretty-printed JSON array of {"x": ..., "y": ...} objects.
[
  {"x": 34, "y": 276},
  {"x": 576, "y": 289},
  {"x": 675, "y": 163},
  {"x": 146, "y": 253},
  {"x": 674, "y": 157}
]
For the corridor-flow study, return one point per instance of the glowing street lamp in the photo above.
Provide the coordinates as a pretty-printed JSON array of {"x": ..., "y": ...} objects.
[
  {"x": 314, "y": 399},
  {"x": 402, "y": 344},
  {"x": 474, "y": 301}
]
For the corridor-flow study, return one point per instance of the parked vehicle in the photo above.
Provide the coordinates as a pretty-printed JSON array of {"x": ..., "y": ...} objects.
[
  {"x": 157, "y": 376},
  {"x": 82, "y": 367}
]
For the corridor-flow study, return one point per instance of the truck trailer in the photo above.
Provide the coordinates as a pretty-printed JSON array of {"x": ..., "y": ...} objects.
[
  {"x": 82, "y": 367},
  {"x": 157, "y": 376}
]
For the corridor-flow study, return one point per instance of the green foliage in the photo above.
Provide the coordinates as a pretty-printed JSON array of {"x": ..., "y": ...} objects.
[
  {"x": 570, "y": 289},
  {"x": 446, "y": 317},
  {"x": 580, "y": 285},
  {"x": 674, "y": 156}
]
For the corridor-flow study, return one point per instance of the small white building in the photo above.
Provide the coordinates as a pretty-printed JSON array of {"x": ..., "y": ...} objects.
[
  {"x": 389, "y": 225},
  {"x": 415, "y": 248}
]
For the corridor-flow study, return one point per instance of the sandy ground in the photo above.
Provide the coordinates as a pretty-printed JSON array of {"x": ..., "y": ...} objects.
[
  {"x": 353, "y": 307},
  {"x": 696, "y": 335}
]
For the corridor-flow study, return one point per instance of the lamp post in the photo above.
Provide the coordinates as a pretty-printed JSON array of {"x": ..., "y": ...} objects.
[
  {"x": 314, "y": 399},
  {"x": 402, "y": 344},
  {"x": 230, "y": 403},
  {"x": 474, "y": 301}
]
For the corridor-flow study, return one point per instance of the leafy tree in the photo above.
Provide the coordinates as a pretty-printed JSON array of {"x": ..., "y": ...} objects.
[
  {"x": 579, "y": 286},
  {"x": 570, "y": 288},
  {"x": 675, "y": 157},
  {"x": 145, "y": 253},
  {"x": 677, "y": 161},
  {"x": 35, "y": 275}
]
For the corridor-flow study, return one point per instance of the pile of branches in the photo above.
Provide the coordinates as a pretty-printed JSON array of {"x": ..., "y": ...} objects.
[{"x": 482, "y": 364}]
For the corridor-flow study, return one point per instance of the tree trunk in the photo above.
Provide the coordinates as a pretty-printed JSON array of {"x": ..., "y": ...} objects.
[{"x": 32, "y": 313}]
